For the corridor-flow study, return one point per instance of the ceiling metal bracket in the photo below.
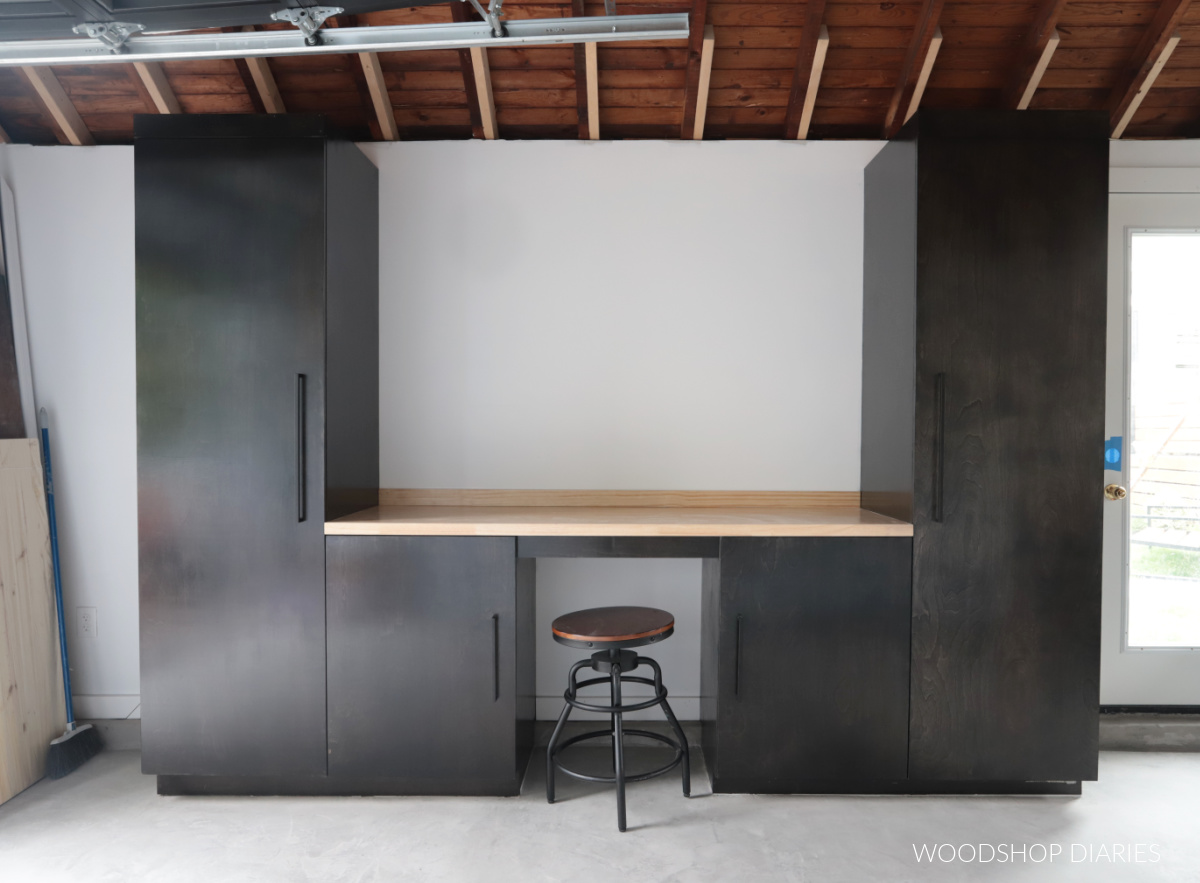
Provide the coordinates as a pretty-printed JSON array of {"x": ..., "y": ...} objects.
[
  {"x": 112, "y": 34},
  {"x": 491, "y": 15},
  {"x": 308, "y": 19}
]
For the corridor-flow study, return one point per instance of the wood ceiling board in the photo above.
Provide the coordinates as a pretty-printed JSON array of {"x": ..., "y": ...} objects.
[
  {"x": 641, "y": 97},
  {"x": 643, "y": 79},
  {"x": 535, "y": 116},
  {"x": 213, "y": 103},
  {"x": 774, "y": 116},
  {"x": 672, "y": 116},
  {"x": 536, "y": 98},
  {"x": 609, "y": 58},
  {"x": 748, "y": 98},
  {"x": 428, "y": 98},
  {"x": 421, "y": 80}
]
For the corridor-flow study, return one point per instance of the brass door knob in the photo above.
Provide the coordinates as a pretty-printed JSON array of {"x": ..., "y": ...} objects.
[{"x": 1115, "y": 492}]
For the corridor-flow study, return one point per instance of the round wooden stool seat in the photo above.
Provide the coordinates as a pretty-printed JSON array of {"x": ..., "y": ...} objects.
[{"x": 613, "y": 627}]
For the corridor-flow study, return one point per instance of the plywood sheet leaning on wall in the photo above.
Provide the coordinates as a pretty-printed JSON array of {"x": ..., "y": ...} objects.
[{"x": 31, "y": 700}]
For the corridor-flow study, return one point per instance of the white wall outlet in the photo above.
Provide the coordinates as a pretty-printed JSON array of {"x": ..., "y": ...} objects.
[{"x": 85, "y": 620}]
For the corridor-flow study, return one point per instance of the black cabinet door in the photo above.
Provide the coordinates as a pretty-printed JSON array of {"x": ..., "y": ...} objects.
[
  {"x": 1009, "y": 443},
  {"x": 423, "y": 671},
  {"x": 230, "y": 314},
  {"x": 813, "y": 645}
]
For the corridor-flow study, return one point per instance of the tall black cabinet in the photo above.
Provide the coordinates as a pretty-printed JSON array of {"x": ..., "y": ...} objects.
[
  {"x": 982, "y": 423},
  {"x": 257, "y": 374}
]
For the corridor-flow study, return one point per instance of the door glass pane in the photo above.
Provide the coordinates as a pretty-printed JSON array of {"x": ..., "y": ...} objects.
[{"x": 1164, "y": 461}]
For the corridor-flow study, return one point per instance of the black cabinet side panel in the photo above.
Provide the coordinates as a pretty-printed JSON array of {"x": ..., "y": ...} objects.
[
  {"x": 710, "y": 620},
  {"x": 230, "y": 250},
  {"x": 423, "y": 677},
  {"x": 889, "y": 320},
  {"x": 352, "y": 335},
  {"x": 526, "y": 661},
  {"x": 1012, "y": 312},
  {"x": 814, "y": 649}
]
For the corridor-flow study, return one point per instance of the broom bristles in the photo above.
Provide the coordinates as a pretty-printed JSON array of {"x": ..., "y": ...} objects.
[{"x": 72, "y": 750}]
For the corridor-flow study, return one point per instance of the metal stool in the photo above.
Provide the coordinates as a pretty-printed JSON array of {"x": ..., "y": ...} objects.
[{"x": 614, "y": 629}]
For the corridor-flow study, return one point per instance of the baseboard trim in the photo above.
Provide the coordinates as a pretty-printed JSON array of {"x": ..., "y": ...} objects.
[{"x": 1173, "y": 731}]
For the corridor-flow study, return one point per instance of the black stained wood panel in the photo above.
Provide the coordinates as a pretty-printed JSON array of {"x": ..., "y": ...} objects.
[
  {"x": 618, "y": 547},
  {"x": 889, "y": 329},
  {"x": 352, "y": 331},
  {"x": 424, "y": 679},
  {"x": 811, "y": 662},
  {"x": 1011, "y": 311},
  {"x": 230, "y": 250}
]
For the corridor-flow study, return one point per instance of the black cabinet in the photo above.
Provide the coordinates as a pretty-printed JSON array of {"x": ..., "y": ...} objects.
[
  {"x": 804, "y": 666},
  {"x": 431, "y": 662},
  {"x": 983, "y": 404},
  {"x": 257, "y": 297}
]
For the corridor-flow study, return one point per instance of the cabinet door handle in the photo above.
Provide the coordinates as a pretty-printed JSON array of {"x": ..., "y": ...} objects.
[
  {"x": 939, "y": 444},
  {"x": 495, "y": 657},
  {"x": 737, "y": 656},
  {"x": 301, "y": 447}
]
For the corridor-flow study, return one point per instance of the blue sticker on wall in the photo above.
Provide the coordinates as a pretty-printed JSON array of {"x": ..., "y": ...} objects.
[{"x": 1112, "y": 453}]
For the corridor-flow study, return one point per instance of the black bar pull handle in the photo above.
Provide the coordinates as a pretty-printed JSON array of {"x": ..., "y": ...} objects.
[
  {"x": 939, "y": 444},
  {"x": 737, "y": 656},
  {"x": 301, "y": 447},
  {"x": 496, "y": 656}
]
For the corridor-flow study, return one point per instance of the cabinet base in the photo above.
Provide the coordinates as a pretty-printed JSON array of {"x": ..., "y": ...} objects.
[
  {"x": 903, "y": 786},
  {"x": 329, "y": 786}
]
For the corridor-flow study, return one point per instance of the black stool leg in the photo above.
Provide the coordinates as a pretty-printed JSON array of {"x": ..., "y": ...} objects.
[
  {"x": 618, "y": 747},
  {"x": 558, "y": 728},
  {"x": 686, "y": 762}
]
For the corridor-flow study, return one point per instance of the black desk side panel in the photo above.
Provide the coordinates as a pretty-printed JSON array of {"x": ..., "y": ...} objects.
[{"x": 352, "y": 331}]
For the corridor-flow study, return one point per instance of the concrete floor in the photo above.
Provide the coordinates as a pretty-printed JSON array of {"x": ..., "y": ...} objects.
[{"x": 105, "y": 823}]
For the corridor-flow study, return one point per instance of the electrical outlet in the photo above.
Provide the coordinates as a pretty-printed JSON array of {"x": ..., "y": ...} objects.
[{"x": 86, "y": 621}]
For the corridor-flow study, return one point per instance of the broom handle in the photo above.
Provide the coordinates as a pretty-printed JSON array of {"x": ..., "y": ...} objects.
[{"x": 44, "y": 425}]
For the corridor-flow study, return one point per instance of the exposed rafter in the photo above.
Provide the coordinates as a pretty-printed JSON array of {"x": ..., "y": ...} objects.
[
  {"x": 58, "y": 105},
  {"x": 1156, "y": 46},
  {"x": 461, "y": 13},
  {"x": 483, "y": 91},
  {"x": 906, "y": 97},
  {"x": 814, "y": 84},
  {"x": 152, "y": 77},
  {"x": 380, "y": 99},
  {"x": 1160, "y": 62},
  {"x": 706, "y": 60},
  {"x": 581, "y": 79},
  {"x": 696, "y": 30},
  {"x": 807, "y": 75},
  {"x": 1039, "y": 44},
  {"x": 4, "y": 139},
  {"x": 935, "y": 46},
  {"x": 591, "y": 76},
  {"x": 264, "y": 82}
]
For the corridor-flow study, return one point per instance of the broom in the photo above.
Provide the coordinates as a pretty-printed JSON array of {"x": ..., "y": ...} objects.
[{"x": 78, "y": 744}]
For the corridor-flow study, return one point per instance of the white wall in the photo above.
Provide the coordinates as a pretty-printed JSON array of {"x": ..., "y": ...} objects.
[
  {"x": 661, "y": 315},
  {"x": 553, "y": 315},
  {"x": 75, "y": 220}
]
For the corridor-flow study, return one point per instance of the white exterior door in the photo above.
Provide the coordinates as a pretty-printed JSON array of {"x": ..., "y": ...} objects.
[{"x": 1151, "y": 610}]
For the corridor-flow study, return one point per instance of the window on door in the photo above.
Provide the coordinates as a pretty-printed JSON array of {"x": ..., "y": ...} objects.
[{"x": 1163, "y": 601}]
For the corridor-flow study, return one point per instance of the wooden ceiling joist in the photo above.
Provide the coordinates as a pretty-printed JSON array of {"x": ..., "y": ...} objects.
[
  {"x": 810, "y": 59},
  {"x": 483, "y": 91},
  {"x": 58, "y": 105},
  {"x": 477, "y": 80},
  {"x": 1157, "y": 43},
  {"x": 4, "y": 139},
  {"x": 582, "y": 90},
  {"x": 591, "y": 80},
  {"x": 158, "y": 88},
  {"x": 1036, "y": 50},
  {"x": 381, "y": 101},
  {"x": 706, "y": 60},
  {"x": 696, "y": 30},
  {"x": 914, "y": 73}
]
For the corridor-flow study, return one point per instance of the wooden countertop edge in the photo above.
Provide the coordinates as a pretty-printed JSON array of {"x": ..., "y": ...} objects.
[
  {"x": 616, "y": 521},
  {"x": 541, "y": 529}
]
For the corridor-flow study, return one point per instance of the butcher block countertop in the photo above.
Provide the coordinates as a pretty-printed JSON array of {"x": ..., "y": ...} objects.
[{"x": 618, "y": 521}]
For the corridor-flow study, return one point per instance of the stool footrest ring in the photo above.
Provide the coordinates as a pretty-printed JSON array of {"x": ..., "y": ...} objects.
[{"x": 597, "y": 734}]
